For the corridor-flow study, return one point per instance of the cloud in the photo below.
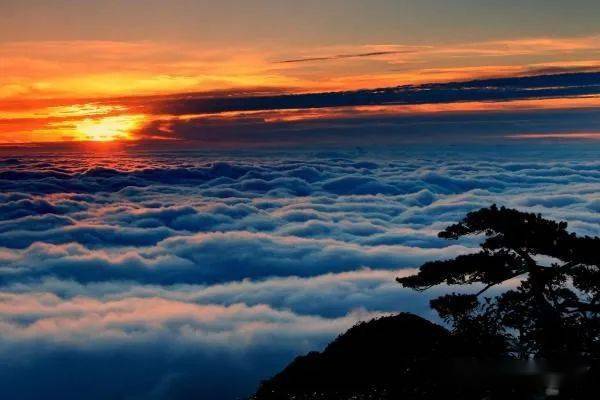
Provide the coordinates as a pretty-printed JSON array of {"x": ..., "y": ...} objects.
[
  {"x": 214, "y": 343},
  {"x": 500, "y": 89},
  {"x": 203, "y": 335},
  {"x": 212, "y": 257},
  {"x": 344, "y": 56},
  {"x": 167, "y": 274}
]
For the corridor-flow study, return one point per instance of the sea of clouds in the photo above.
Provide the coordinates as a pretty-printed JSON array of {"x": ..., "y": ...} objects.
[{"x": 196, "y": 275}]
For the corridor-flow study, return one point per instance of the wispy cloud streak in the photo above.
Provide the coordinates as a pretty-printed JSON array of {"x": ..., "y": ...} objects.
[{"x": 343, "y": 56}]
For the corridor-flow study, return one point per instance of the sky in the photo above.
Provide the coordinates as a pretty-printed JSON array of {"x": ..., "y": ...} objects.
[{"x": 88, "y": 71}]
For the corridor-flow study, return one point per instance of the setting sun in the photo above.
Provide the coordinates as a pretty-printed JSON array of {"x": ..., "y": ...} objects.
[{"x": 108, "y": 129}]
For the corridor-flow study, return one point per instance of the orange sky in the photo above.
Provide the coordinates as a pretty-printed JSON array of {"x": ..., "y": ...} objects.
[{"x": 66, "y": 90}]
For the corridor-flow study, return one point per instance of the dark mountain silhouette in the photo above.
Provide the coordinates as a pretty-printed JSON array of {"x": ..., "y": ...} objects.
[
  {"x": 407, "y": 357},
  {"x": 539, "y": 338},
  {"x": 380, "y": 358}
]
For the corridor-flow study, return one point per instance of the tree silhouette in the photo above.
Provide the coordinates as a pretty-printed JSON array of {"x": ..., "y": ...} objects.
[
  {"x": 537, "y": 297},
  {"x": 546, "y": 282}
]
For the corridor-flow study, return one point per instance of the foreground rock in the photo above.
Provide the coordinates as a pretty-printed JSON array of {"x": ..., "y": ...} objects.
[{"x": 408, "y": 357}]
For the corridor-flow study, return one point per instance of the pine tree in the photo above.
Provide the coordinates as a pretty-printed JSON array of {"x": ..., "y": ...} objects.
[{"x": 544, "y": 281}]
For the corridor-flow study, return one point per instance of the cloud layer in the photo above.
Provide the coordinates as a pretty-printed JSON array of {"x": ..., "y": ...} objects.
[{"x": 157, "y": 275}]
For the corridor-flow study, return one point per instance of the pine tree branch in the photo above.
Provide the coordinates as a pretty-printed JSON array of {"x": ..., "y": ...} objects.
[{"x": 489, "y": 286}]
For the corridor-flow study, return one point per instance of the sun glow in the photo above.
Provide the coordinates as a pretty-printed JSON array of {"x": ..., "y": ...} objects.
[{"x": 121, "y": 127}]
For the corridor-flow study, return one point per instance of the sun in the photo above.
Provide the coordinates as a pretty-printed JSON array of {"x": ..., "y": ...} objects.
[{"x": 108, "y": 129}]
